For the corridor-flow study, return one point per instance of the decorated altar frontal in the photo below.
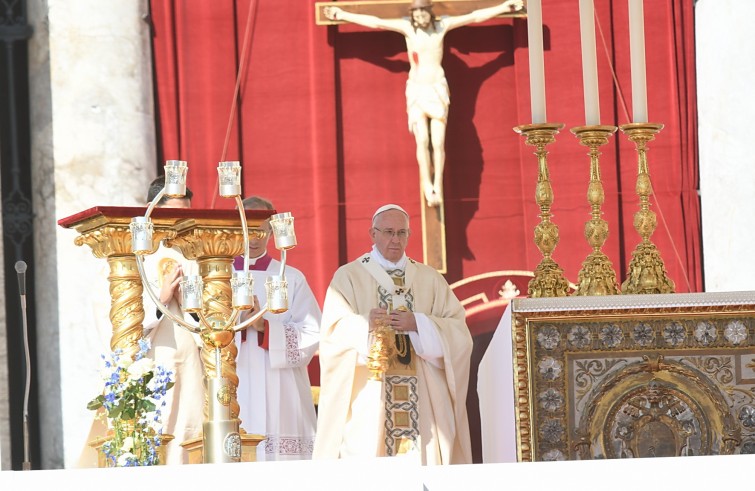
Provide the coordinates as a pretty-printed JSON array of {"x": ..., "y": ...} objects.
[
  {"x": 694, "y": 473},
  {"x": 617, "y": 377}
]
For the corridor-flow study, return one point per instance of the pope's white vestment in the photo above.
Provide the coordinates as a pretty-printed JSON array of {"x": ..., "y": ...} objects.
[{"x": 351, "y": 419}]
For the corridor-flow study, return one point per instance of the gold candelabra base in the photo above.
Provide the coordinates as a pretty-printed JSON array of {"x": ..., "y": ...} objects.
[
  {"x": 597, "y": 276},
  {"x": 647, "y": 273},
  {"x": 196, "y": 451},
  {"x": 549, "y": 280}
]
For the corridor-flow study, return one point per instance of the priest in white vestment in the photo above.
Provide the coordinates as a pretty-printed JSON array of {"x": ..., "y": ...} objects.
[
  {"x": 176, "y": 349},
  {"x": 417, "y": 407},
  {"x": 172, "y": 346},
  {"x": 274, "y": 391}
]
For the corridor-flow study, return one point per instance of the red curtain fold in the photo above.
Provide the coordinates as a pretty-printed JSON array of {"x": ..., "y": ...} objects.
[
  {"x": 195, "y": 47},
  {"x": 282, "y": 126}
]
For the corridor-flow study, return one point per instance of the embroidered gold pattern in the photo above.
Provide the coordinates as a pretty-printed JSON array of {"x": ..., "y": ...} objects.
[{"x": 401, "y": 393}]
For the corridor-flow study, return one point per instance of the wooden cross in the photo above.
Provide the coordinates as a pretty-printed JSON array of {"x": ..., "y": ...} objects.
[
  {"x": 395, "y": 9},
  {"x": 433, "y": 217}
]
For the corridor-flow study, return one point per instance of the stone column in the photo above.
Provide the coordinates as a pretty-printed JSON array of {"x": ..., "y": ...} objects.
[{"x": 93, "y": 141}]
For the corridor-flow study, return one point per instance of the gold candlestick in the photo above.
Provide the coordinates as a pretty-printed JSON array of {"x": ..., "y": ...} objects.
[
  {"x": 647, "y": 273},
  {"x": 549, "y": 280},
  {"x": 597, "y": 276}
]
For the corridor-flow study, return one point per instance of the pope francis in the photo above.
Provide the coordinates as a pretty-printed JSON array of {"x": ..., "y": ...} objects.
[{"x": 412, "y": 401}]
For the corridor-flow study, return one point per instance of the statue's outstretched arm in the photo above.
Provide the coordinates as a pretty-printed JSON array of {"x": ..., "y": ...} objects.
[
  {"x": 371, "y": 21},
  {"x": 482, "y": 15}
]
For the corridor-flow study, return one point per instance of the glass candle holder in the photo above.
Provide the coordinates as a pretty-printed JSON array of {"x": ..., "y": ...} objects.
[
  {"x": 229, "y": 179},
  {"x": 141, "y": 235},
  {"x": 175, "y": 178},
  {"x": 192, "y": 288},
  {"x": 242, "y": 286},
  {"x": 277, "y": 294},
  {"x": 283, "y": 230}
]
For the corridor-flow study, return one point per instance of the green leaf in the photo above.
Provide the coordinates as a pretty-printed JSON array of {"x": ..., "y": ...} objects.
[
  {"x": 96, "y": 403},
  {"x": 115, "y": 412}
]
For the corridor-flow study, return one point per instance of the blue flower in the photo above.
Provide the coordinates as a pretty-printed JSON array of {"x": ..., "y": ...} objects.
[
  {"x": 132, "y": 407},
  {"x": 143, "y": 348}
]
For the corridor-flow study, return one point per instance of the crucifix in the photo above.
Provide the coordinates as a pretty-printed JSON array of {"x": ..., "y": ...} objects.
[{"x": 424, "y": 24}]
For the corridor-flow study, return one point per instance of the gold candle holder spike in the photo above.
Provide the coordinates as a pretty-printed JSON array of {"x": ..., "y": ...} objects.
[
  {"x": 647, "y": 273},
  {"x": 549, "y": 279},
  {"x": 597, "y": 276}
]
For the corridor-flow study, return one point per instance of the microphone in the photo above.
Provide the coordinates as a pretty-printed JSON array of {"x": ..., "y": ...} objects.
[{"x": 21, "y": 271}]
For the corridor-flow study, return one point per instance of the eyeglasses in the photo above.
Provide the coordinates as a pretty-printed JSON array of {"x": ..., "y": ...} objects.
[
  {"x": 389, "y": 233},
  {"x": 258, "y": 233}
]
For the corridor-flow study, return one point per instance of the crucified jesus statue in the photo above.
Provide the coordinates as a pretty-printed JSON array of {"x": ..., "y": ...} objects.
[{"x": 427, "y": 94}]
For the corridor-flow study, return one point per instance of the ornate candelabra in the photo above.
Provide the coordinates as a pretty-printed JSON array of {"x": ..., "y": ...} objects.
[
  {"x": 647, "y": 273},
  {"x": 596, "y": 277},
  {"x": 217, "y": 295},
  {"x": 549, "y": 280}
]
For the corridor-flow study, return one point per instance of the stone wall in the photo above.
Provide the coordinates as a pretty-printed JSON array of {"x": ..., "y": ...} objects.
[
  {"x": 725, "y": 70},
  {"x": 90, "y": 68}
]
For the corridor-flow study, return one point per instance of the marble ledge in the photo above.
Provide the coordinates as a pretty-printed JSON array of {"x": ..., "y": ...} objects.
[{"x": 619, "y": 302}]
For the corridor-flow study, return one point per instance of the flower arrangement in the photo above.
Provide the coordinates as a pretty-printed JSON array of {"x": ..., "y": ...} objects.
[{"x": 132, "y": 400}]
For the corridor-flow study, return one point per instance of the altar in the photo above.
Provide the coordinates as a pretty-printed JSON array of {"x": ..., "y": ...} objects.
[{"x": 620, "y": 376}]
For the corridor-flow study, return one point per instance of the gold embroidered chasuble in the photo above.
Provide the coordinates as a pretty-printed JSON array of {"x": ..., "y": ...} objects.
[
  {"x": 400, "y": 385},
  {"x": 440, "y": 388}
]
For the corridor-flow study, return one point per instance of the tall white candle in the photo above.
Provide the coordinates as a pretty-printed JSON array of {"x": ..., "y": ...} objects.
[
  {"x": 589, "y": 62},
  {"x": 637, "y": 56},
  {"x": 537, "y": 64}
]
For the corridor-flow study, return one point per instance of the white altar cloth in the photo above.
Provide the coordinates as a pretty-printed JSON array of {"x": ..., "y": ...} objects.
[{"x": 495, "y": 390}]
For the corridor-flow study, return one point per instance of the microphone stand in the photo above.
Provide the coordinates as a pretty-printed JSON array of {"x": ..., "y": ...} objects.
[
  {"x": 21, "y": 271},
  {"x": 27, "y": 458}
]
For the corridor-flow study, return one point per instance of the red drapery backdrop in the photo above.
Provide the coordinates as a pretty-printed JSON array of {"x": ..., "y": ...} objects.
[{"x": 320, "y": 128}]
